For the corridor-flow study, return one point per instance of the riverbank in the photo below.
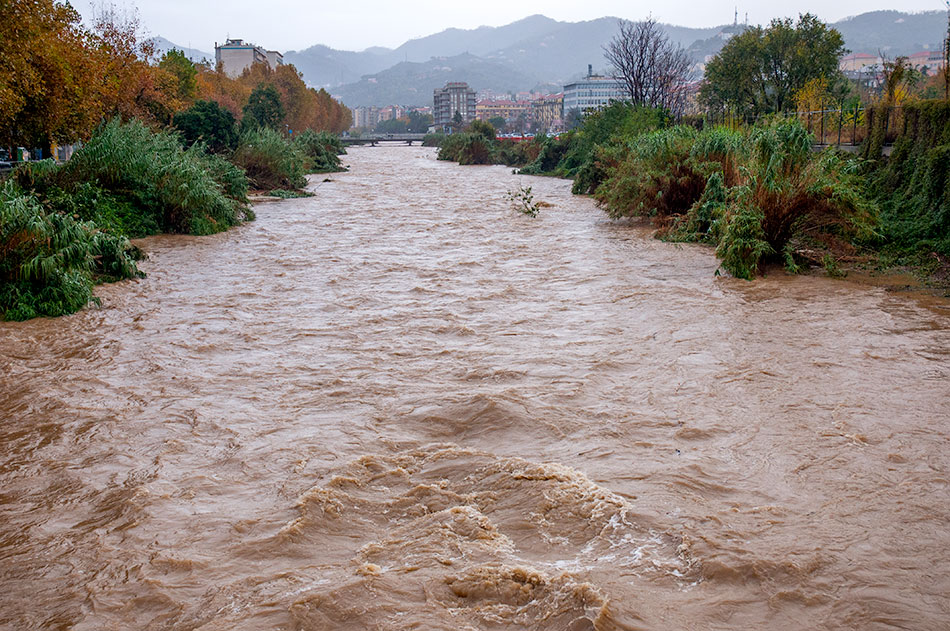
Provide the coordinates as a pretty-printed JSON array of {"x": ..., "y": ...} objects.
[
  {"x": 65, "y": 228},
  {"x": 760, "y": 194}
]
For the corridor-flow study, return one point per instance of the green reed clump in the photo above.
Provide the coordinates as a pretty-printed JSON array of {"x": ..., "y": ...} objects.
[
  {"x": 271, "y": 160},
  {"x": 518, "y": 153},
  {"x": 49, "y": 261},
  {"x": 187, "y": 191},
  {"x": 433, "y": 140},
  {"x": 752, "y": 194},
  {"x": 322, "y": 149},
  {"x": 467, "y": 148},
  {"x": 656, "y": 177}
]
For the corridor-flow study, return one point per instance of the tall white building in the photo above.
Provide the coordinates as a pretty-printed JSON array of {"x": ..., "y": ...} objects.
[{"x": 593, "y": 93}]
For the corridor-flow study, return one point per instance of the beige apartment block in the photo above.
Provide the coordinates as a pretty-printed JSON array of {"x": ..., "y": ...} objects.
[{"x": 235, "y": 55}]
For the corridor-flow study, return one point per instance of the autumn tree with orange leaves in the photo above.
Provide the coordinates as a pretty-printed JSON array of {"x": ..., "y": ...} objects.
[{"x": 59, "y": 80}]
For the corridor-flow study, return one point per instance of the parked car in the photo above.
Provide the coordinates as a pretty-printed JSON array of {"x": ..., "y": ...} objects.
[{"x": 5, "y": 166}]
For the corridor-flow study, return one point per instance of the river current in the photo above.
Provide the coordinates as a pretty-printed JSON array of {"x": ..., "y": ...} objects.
[{"x": 401, "y": 404}]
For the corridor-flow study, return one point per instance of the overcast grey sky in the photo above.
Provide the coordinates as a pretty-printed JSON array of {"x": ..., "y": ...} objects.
[{"x": 344, "y": 24}]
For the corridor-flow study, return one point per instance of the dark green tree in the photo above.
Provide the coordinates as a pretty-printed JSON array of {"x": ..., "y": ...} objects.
[
  {"x": 208, "y": 122},
  {"x": 498, "y": 122},
  {"x": 263, "y": 109},
  {"x": 760, "y": 70},
  {"x": 175, "y": 62},
  {"x": 419, "y": 123},
  {"x": 483, "y": 128}
]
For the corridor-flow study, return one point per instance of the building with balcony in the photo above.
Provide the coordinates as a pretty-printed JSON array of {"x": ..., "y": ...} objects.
[
  {"x": 235, "y": 56},
  {"x": 592, "y": 93},
  {"x": 547, "y": 111},
  {"x": 455, "y": 97},
  {"x": 511, "y": 111}
]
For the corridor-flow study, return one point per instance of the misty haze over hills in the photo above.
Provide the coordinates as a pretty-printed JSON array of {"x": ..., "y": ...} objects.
[{"x": 537, "y": 51}]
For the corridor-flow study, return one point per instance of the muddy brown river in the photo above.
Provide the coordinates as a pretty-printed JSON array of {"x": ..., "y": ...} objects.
[{"x": 401, "y": 404}]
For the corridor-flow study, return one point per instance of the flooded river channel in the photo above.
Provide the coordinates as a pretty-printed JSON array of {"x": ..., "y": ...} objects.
[{"x": 401, "y": 404}]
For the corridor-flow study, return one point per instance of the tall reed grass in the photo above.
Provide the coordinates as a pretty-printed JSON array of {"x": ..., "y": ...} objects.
[
  {"x": 270, "y": 160},
  {"x": 179, "y": 190},
  {"x": 49, "y": 261}
]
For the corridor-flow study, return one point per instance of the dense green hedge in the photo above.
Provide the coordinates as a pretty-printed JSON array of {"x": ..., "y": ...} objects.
[{"x": 912, "y": 185}]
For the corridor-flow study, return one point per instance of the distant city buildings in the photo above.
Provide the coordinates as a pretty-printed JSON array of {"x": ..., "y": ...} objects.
[
  {"x": 454, "y": 98},
  {"x": 547, "y": 112},
  {"x": 366, "y": 118},
  {"x": 530, "y": 112},
  {"x": 235, "y": 56},
  {"x": 592, "y": 93},
  {"x": 928, "y": 62},
  {"x": 511, "y": 111}
]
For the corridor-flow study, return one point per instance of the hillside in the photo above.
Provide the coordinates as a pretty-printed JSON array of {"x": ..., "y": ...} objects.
[
  {"x": 163, "y": 45},
  {"x": 411, "y": 82}
]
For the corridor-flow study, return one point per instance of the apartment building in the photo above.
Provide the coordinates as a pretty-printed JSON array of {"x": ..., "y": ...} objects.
[
  {"x": 455, "y": 97},
  {"x": 592, "y": 93},
  {"x": 235, "y": 55}
]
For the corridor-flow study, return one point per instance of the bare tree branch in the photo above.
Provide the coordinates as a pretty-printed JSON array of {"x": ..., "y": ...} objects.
[{"x": 653, "y": 69}]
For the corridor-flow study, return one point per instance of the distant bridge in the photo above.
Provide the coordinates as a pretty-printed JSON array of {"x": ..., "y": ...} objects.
[{"x": 374, "y": 139}]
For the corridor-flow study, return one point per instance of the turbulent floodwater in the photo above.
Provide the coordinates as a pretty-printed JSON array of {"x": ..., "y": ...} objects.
[{"x": 400, "y": 404}]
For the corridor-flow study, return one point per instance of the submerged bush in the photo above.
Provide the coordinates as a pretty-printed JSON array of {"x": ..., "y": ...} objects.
[
  {"x": 433, "y": 140},
  {"x": 175, "y": 189},
  {"x": 49, "y": 261},
  {"x": 752, "y": 195},
  {"x": 270, "y": 160},
  {"x": 322, "y": 150},
  {"x": 467, "y": 148}
]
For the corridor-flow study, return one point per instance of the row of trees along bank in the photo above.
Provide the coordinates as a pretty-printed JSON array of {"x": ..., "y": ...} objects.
[
  {"x": 756, "y": 189},
  {"x": 166, "y": 145}
]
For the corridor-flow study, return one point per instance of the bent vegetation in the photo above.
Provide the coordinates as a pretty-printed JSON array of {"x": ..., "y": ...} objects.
[
  {"x": 165, "y": 146},
  {"x": 758, "y": 194}
]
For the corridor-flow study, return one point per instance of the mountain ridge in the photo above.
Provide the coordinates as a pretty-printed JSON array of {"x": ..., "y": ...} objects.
[{"x": 539, "y": 50}]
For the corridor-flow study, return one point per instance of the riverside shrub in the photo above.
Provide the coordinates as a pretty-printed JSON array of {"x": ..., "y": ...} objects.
[
  {"x": 49, "y": 261},
  {"x": 751, "y": 194},
  {"x": 321, "y": 149},
  {"x": 186, "y": 191},
  {"x": 467, "y": 148},
  {"x": 270, "y": 160}
]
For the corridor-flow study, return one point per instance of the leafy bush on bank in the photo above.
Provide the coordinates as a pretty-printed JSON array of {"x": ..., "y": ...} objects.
[
  {"x": 322, "y": 150},
  {"x": 65, "y": 227},
  {"x": 270, "y": 160},
  {"x": 752, "y": 195},
  {"x": 49, "y": 261},
  {"x": 176, "y": 190}
]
